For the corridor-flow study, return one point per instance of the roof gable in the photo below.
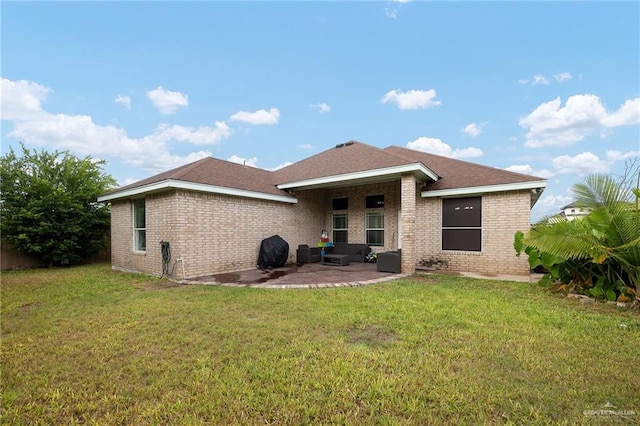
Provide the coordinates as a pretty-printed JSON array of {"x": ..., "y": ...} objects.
[
  {"x": 344, "y": 158},
  {"x": 348, "y": 163},
  {"x": 209, "y": 174},
  {"x": 456, "y": 174}
]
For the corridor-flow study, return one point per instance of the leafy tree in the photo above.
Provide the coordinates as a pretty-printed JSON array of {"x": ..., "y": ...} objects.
[
  {"x": 600, "y": 253},
  {"x": 49, "y": 206}
]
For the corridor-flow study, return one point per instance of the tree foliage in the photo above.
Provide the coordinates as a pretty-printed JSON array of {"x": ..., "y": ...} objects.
[
  {"x": 600, "y": 253},
  {"x": 49, "y": 205}
]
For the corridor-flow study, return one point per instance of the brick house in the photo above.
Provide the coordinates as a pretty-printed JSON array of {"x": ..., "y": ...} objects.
[{"x": 215, "y": 213}]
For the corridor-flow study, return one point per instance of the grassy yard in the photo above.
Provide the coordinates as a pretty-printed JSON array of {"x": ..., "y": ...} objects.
[{"x": 90, "y": 345}]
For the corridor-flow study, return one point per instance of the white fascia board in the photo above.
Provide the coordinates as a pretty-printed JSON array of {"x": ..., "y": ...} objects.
[
  {"x": 484, "y": 189},
  {"x": 367, "y": 174},
  {"x": 192, "y": 186}
]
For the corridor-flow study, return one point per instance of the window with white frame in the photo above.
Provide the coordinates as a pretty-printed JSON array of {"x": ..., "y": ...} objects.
[
  {"x": 340, "y": 228},
  {"x": 139, "y": 225},
  {"x": 374, "y": 228}
]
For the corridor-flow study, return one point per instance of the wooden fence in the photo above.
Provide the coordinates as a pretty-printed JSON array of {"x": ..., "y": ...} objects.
[{"x": 11, "y": 258}]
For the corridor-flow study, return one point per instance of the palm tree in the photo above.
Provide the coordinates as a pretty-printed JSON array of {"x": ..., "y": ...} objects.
[{"x": 602, "y": 250}]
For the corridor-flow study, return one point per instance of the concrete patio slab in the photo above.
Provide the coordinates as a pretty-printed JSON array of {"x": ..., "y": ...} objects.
[
  {"x": 306, "y": 275},
  {"x": 317, "y": 275}
]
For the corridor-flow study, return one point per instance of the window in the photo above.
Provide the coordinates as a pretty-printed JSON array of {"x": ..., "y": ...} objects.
[
  {"x": 340, "y": 203},
  {"x": 374, "y": 201},
  {"x": 139, "y": 225},
  {"x": 462, "y": 224},
  {"x": 374, "y": 228},
  {"x": 340, "y": 225}
]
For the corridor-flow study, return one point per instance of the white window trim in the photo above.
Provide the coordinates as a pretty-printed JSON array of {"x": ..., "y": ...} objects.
[
  {"x": 333, "y": 228},
  {"x": 366, "y": 229},
  {"x": 136, "y": 230}
]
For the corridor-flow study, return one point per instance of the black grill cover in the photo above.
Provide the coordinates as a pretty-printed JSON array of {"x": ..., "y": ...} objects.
[{"x": 274, "y": 252}]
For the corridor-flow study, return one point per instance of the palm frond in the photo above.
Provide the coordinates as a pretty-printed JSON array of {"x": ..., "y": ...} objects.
[{"x": 599, "y": 190}]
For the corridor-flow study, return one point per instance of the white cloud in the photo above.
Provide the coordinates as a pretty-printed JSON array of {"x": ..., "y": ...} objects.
[
  {"x": 21, "y": 99},
  {"x": 164, "y": 161},
  {"x": 550, "y": 124},
  {"x": 21, "y": 104},
  {"x": 412, "y": 99},
  {"x": 392, "y": 9},
  {"x": 280, "y": 166},
  {"x": 166, "y": 101},
  {"x": 305, "y": 146},
  {"x": 539, "y": 79},
  {"x": 202, "y": 135},
  {"x": 436, "y": 146},
  {"x": 549, "y": 205},
  {"x": 124, "y": 100},
  {"x": 582, "y": 164},
  {"x": 127, "y": 181},
  {"x": 562, "y": 77},
  {"x": 245, "y": 161},
  {"x": 473, "y": 129},
  {"x": 628, "y": 114},
  {"x": 259, "y": 117},
  {"x": 613, "y": 155},
  {"x": 321, "y": 107},
  {"x": 528, "y": 170}
]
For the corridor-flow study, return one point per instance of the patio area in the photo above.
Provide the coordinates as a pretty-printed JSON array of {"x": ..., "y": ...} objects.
[
  {"x": 318, "y": 275},
  {"x": 301, "y": 275}
]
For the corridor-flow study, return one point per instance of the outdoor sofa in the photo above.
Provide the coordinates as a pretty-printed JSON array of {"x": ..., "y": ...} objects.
[{"x": 356, "y": 252}]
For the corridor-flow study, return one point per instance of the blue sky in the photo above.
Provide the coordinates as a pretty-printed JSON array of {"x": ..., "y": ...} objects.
[{"x": 550, "y": 89}]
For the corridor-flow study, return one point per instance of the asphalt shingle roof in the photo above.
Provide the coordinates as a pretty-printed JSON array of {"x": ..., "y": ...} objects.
[
  {"x": 345, "y": 158},
  {"x": 461, "y": 174},
  {"x": 212, "y": 171}
]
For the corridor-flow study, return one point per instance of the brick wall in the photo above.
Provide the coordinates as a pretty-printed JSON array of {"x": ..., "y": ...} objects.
[
  {"x": 503, "y": 214},
  {"x": 218, "y": 233},
  {"x": 357, "y": 210},
  {"x": 212, "y": 233}
]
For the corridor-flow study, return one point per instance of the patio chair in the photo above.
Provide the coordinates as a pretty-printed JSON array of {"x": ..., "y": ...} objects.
[
  {"x": 389, "y": 261},
  {"x": 306, "y": 254}
]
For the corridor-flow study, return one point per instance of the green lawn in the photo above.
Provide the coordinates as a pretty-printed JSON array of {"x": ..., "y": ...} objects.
[{"x": 94, "y": 346}]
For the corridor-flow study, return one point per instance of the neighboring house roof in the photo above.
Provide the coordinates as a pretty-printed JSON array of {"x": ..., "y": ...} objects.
[
  {"x": 572, "y": 205},
  {"x": 349, "y": 163}
]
